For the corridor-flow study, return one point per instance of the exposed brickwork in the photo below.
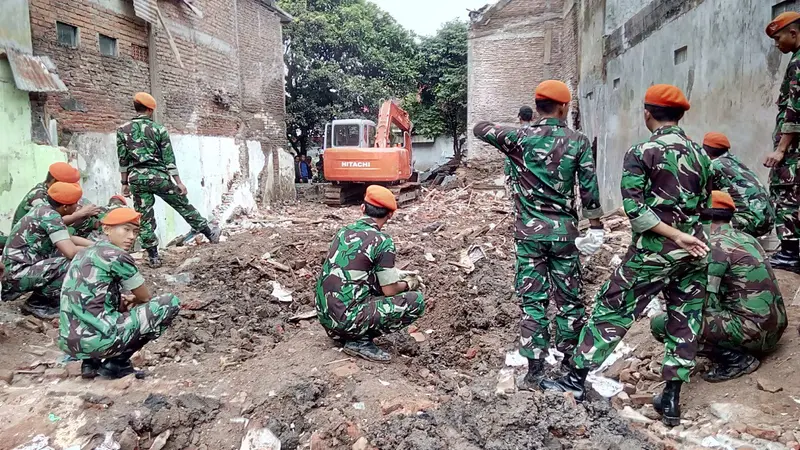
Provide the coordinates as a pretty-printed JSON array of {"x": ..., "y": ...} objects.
[
  {"x": 231, "y": 83},
  {"x": 510, "y": 54}
]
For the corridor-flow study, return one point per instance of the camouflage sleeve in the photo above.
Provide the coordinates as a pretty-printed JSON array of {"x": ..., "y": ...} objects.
[
  {"x": 53, "y": 225},
  {"x": 587, "y": 180},
  {"x": 384, "y": 258},
  {"x": 633, "y": 185},
  {"x": 501, "y": 138},
  {"x": 122, "y": 152},
  {"x": 165, "y": 146},
  {"x": 792, "y": 123},
  {"x": 124, "y": 269},
  {"x": 717, "y": 267},
  {"x": 720, "y": 176}
]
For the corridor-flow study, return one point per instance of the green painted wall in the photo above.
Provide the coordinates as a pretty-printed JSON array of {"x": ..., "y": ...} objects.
[{"x": 22, "y": 163}]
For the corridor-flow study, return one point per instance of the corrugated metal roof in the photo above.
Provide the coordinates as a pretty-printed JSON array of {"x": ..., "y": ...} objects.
[
  {"x": 147, "y": 10},
  {"x": 34, "y": 73}
]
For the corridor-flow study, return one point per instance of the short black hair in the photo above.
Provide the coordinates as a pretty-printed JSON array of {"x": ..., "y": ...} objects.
[
  {"x": 717, "y": 214},
  {"x": 525, "y": 114},
  {"x": 140, "y": 108},
  {"x": 49, "y": 178},
  {"x": 54, "y": 203},
  {"x": 715, "y": 152},
  {"x": 546, "y": 106},
  {"x": 376, "y": 212},
  {"x": 664, "y": 114}
]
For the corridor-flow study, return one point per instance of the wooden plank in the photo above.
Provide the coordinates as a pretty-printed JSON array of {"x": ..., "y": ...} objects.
[{"x": 172, "y": 44}]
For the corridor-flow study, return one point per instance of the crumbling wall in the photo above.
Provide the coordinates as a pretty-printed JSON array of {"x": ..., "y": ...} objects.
[
  {"x": 732, "y": 88},
  {"x": 513, "y": 46}
]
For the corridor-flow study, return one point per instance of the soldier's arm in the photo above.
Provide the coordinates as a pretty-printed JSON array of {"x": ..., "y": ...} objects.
[
  {"x": 123, "y": 157},
  {"x": 502, "y": 138},
  {"x": 388, "y": 275},
  {"x": 588, "y": 186},
  {"x": 167, "y": 155},
  {"x": 125, "y": 268},
  {"x": 53, "y": 225},
  {"x": 791, "y": 125}
]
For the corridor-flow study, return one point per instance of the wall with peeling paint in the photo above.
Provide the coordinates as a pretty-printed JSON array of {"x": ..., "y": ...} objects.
[{"x": 729, "y": 69}]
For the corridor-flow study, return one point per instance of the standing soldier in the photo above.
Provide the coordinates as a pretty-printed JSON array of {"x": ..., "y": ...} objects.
[
  {"x": 38, "y": 251},
  {"x": 546, "y": 159},
  {"x": 744, "y": 316},
  {"x": 783, "y": 161},
  {"x": 754, "y": 212},
  {"x": 361, "y": 294},
  {"x": 96, "y": 321},
  {"x": 666, "y": 183},
  {"x": 146, "y": 163}
]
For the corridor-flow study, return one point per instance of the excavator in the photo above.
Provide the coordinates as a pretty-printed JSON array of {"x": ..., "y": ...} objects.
[{"x": 359, "y": 153}]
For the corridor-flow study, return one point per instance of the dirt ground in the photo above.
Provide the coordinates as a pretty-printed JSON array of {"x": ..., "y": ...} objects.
[{"x": 239, "y": 360}]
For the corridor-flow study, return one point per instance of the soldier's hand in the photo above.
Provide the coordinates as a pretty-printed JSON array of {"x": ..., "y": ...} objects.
[
  {"x": 773, "y": 159},
  {"x": 182, "y": 189},
  {"x": 126, "y": 191},
  {"x": 89, "y": 211},
  {"x": 691, "y": 244}
]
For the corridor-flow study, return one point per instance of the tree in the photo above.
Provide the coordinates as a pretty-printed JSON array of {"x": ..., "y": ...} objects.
[
  {"x": 343, "y": 57},
  {"x": 440, "y": 106}
]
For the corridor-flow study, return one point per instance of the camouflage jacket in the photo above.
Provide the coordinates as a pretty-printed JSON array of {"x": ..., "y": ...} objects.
[
  {"x": 144, "y": 145},
  {"x": 545, "y": 161},
  {"x": 91, "y": 294},
  {"x": 741, "y": 280},
  {"x": 755, "y": 213},
  {"x": 788, "y": 119},
  {"x": 666, "y": 179},
  {"x": 36, "y": 195},
  {"x": 34, "y": 237},
  {"x": 361, "y": 260}
]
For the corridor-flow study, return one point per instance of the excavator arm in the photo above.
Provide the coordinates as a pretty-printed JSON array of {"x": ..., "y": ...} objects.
[{"x": 392, "y": 114}]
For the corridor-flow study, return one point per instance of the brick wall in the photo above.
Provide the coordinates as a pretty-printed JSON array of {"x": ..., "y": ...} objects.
[
  {"x": 231, "y": 83},
  {"x": 512, "y": 48}
]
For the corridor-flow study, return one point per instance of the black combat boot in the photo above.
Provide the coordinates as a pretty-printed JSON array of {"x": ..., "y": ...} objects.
[
  {"x": 153, "y": 260},
  {"x": 573, "y": 381},
  {"x": 365, "y": 348},
  {"x": 89, "y": 368},
  {"x": 668, "y": 404},
  {"x": 731, "y": 364},
  {"x": 788, "y": 258},
  {"x": 41, "y": 307},
  {"x": 118, "y": 366},
  {"x": 566, "y": 364},
  {"x": 535, "y": 374},
  {"x": 212, "y": 234}
]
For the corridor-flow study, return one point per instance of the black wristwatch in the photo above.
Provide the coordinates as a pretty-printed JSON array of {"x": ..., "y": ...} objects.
[{"x": 124, "y": 183}]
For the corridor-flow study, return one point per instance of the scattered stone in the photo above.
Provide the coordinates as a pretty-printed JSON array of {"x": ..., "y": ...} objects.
[
  {"x": 346, "y": 370},
  {"x": 121, "y": 384},
  {"x": 31, "y": 324},
  {"x": 615, "y": 369},
  {"x": 629, "y": 389},
  {"x": 650, "y": 412},
  {"x": 631, "y": 415},
  {"x": 181, "y": 278},
  {"x": 768, "y": 386},
  {"x": 260, "y": 439},
  {"x": 56, "y": 374},
  {"x": 352, "y": 431},
  {"x": 161, "y": 440},
  {"x": 424, "y": 373},
  {"x": 7, "y": 376},
  {"x": 128, "y": 439},
  {"x": 189, "y": 262},
  {"x": 734, "y": 412},
  {"x": 641, "y": 399},
  {"x": 763, "y": 433},
  {"x": 786, "y": 437},
  {"x": 73, "y": 369},
  {"x": 505, "y": 382},
  {"x": 96, "y": 401},
  {"x": 361, "y": 444},
  {"x": 471, "y": 352},
  {"x": 627, "y": 376},
  {"x": 419, "y": 337},
  {"x": 317, "y": 442},
  {"x": 391, "y": 407}
]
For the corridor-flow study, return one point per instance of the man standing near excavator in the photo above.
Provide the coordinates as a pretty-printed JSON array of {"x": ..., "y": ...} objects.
[{"x": 547, "y": 158}]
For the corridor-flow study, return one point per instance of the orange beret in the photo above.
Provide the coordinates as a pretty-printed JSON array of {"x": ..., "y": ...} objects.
[
  {"x": 781, "y": 22},
  {"x": 716, "y": 140},
  {"x": 65, "y": 173},
  {"x": 667, "y": 96},
  {"x": 119, "y": 198},
  {"x": 722, "y": 200},
  {"x": 121, "y": 216},
  {"x": 382, "y": 197},
  {"x": 553, "y": 90},
  {"x": 65, "y": 193},
  {"x": 145, "y": 99}
]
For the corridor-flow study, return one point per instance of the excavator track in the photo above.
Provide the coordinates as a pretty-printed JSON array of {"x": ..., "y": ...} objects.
[{"x": 343, "y": 194}]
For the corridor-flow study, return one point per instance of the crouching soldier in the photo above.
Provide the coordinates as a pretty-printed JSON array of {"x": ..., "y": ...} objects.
[
  {"x": 744, "y": 316},
  {"x": 97, "y": 321},
  {"x": 361, "y": 294}
]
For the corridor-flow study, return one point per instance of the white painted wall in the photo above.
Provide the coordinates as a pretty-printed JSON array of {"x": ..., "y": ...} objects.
[
  {"x": 430, "y": 153},
  {"x": 731, "y": 82}
]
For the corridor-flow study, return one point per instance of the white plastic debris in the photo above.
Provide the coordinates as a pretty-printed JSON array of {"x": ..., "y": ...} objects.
[
  {"x": 615, "y": 261},
  {"x": 429, "y": 257},
  {"x": 514, "y": 359},
  {"x": 39, "y": 442},
  {"x": 604, "y": 386},
  {"x": 505, "y": 382},
  {"x": 384, "y": 383},
  {"x": 282, "y": 294},
  {"x": 260, "y": 439}
]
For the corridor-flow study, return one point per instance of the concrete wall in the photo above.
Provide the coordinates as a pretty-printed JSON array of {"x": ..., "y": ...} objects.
[
  {"x": 732, "y": 85},
  {"x": 429, "y": 153}
]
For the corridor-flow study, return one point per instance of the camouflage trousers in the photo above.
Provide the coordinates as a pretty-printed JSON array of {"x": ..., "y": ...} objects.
[
  {"x": 784, "y": 192},
  {"x": 142, "y": 324},
  {"x": 144, "y": 189},
  {"x": 640, "y": 277},
  {"x": 376, "y": 316},
  {"x": 44, "y": 277},
  {"x": 544, "y": 270},
  {"x": 724, "y": 329}
]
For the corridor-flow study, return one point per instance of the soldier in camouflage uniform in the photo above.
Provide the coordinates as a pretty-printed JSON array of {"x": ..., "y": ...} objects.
[
  {"x": 744, "y": 316},
  {"x": 97, "y": 320},
  {"x": 147, "y": 166},
  {"x": 360, "y": 294},
  {"x": 546, "y": 159},
  {"x": 38, "y": 251},
  {"x": 783, "y": 161},
  {"x": 666, "y": 183},
  {"x": 754, "y": 212}
]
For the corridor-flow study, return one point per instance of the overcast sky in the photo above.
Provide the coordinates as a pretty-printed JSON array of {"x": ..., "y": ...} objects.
[{"x": 424, "y": 17}]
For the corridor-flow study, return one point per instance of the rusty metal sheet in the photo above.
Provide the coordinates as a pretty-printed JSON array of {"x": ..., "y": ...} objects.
[
  {"x": 34, "y": 73},
  {"x": 146, "y": 10}
]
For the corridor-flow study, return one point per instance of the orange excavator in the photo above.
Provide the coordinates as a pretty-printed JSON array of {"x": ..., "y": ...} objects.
[{"x": 357, "y": 154}]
